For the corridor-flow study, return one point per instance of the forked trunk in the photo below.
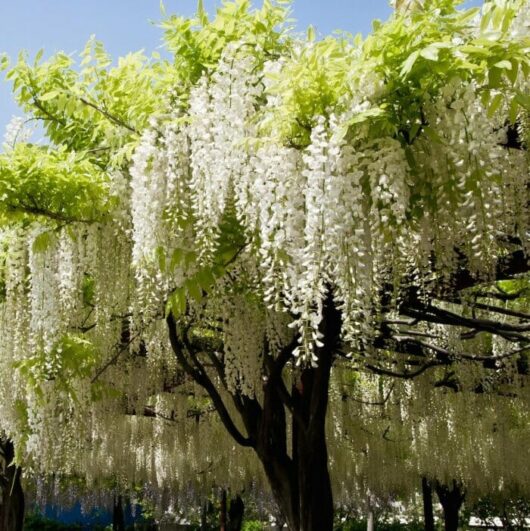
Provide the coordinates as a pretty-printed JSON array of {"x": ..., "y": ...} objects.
[
  {"x": 299, "y": 479},
  {"x": 11, "y": 493},
  {"x": 301, "y": 482}
]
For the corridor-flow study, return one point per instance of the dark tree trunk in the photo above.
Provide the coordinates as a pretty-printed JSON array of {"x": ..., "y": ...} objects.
[
  {"x": 428, "y": 514},
  {"x": 222, "y": 512},
  {"x": 11, "y": 493},
  {"x": 451, "y": 497},
  {"x": 310, "y": 448},
  {"x": 301, "y": 482},
  {"x": 235, "y": 514},
  {"x": 118, "y": 517},
  {"x": 204, "y": 512},
  {"x": 299, "y": 478}
]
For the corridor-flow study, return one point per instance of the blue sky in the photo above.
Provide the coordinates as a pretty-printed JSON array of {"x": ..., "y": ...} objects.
[{"x": 128, "y": 25}]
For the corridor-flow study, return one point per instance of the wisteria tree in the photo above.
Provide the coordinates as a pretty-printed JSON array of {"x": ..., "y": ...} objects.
[{"x": 224, "y": 228}]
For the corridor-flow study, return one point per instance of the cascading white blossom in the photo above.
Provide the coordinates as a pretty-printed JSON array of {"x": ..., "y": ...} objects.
[
  {"x": 399, "y": 432},
  {"x": 221, "y": 109}
]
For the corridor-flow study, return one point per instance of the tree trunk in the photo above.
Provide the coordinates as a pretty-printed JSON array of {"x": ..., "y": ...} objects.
[
  {"x": 299, "y": 480},
  {"x": 235, "y": 514},
  {"x": 370, "y": 522},
  {"x": 451, "y": 498},
  {"x": 204, "y": 512},
  {"x": 222, "y": 512},
  {"x": 310, "y": 448},
  {"x": 11, "y": 493},
  {"x": 428, "y": 513},
  {"x": 118, "y": 517}
]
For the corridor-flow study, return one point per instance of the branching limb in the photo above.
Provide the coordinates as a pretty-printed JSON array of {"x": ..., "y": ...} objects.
[
  {"x": 198, "y": 373},
  {"x": 404, "y": 375},
  {"x": 111, "y": 117}
]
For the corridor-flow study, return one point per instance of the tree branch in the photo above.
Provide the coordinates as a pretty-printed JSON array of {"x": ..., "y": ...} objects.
[
  {"x": 200, "y": 376},
  {"x": 109, "y": 116}
]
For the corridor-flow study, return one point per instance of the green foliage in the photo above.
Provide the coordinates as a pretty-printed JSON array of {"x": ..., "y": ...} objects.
[
  {"x": 197, "y": 43},
  {"x": 231, "y": 241},
  {"x": 88, "y": 290},
  {"x": 72, "y": 358},
  {"x": 415, "y": 54},
  {"x": 253, "y": 525},
  {"x": 51, "y": 183},
  {"x": 94, "y": 114},
  {"x": 360, "y": 525},
  {"x": 97, "y": 110},
  {"x": 411, "y": 58},
  {"x": 37, "y": 522},
  {"x": 312, "y": 82}
]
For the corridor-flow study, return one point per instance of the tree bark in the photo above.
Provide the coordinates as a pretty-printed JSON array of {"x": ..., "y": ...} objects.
[
  {"x": 118, "y": 517},
  {"x": 235, "y": 514},
  {"x": 222, "y": 512},
  {"x": 12, "y": 502},
  {"x": 299, "y": 479},
  {"x": 310, "y": 448},
  {"x": 428, "y": 513},
  {"x": 370, "y": 522},
  {"x": 451, "y": 498},
  {"x": 301, "y": 482}
]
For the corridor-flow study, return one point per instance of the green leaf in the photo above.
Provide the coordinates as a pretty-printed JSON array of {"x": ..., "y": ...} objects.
[
  {"x": 177, "y": 302},
  {"x": 514, "y": 110},
  {"x": 433, "y": 135},
  {"x": 409, "y": 63},
  {"x": 513, "y": 72},
  {"x": 4, "y": 62},
  {"x": 38, "y": 57},
  {"x": 494, "y": 77},
  {"x": 205, "y": 278},
  {"x": 430, "y": 53},
  {"x": 201, "y": 13},
  {"x": 495, "y": 104},
  {"x": 176, "y": 258},
  {"x": 161, "y": 258},
  {"x": 365, "y": 115},
  {"x": 49, "y": 95},
  {"x": 523, "y": 100},
  {"x": 194, "y": 289},
  {"x": 42, "y": 242},
  {"x": 506, "y": 65}
]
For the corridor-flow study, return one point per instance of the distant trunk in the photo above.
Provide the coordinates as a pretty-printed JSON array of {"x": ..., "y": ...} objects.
[
  {"x": 118, "y": 517},
  {"x": 428, "y": 513},
  {"x": 235, "y": 514},
  {"x": 451, "y": 498},
  {"x": 11, "y": 493},
  {"x": 370, "y": 522},
  {"x": 222, "y": 512}
]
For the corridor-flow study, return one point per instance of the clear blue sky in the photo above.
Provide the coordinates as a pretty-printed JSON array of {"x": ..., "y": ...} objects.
[{"x": 124, "y": 25}]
